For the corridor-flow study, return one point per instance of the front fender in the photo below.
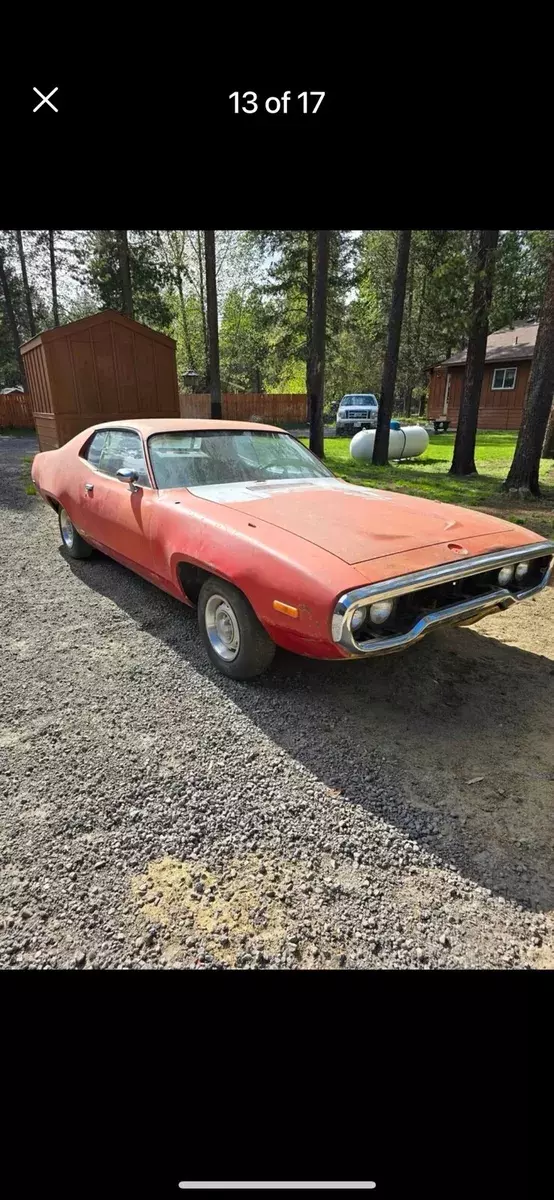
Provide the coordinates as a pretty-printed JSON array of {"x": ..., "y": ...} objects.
[{"x": 265, "y": 563}]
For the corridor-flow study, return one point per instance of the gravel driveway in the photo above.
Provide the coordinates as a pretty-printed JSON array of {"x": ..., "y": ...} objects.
[{"x": 153, "y": 813}]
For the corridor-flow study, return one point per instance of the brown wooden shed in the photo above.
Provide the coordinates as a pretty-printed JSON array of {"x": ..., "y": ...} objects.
[{"x": 98, "y": 369}]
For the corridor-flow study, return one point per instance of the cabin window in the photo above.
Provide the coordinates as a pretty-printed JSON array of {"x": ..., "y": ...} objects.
[{"x": 504, "y": 379}]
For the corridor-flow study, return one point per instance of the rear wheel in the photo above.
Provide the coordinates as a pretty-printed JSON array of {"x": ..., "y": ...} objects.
[
  {"x": 73, "y": 542},
  {"x": 236, "y": 642}
]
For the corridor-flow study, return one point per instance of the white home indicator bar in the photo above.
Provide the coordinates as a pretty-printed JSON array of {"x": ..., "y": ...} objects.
[{"x": 336, "y": 1186}]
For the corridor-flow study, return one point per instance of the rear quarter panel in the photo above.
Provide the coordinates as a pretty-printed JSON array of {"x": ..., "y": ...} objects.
[
  {"x": 59, "y": 475},
  {"x": 54, "y": 470}
]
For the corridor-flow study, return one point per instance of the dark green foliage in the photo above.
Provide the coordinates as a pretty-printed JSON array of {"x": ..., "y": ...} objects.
[
  {"x": 98, "y": 255},
  {"x": 520, "y": 276},
  {"x": 245, "y": 345},
  {"x": 290, "y": 258},
  {"x": 10, "y": 339}
]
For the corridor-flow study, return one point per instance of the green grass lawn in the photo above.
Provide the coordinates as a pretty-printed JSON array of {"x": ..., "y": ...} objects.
[
  {"x": 428, "y": 476},
  {"x": 26, "y": 474}
]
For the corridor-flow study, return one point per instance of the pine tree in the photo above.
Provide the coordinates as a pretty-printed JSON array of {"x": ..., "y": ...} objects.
[
  {"x": 125, "y": 270},
  {"x": 523, "y": 475},
  {"x": 316, "y": 366},
  {"x": 26, "y": 288},
  {"x": 99, "y": 260},
  {"x": 6, "y": 291},
  {"x": 386, "y": 399},
  {"x": 53, "y": 276},
  {"x": 463, "y": 460},
  {"x": 213, "y": 331}
]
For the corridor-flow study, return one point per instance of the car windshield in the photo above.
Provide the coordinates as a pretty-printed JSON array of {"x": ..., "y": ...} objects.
[
  {"x": 368, "y": 401},
  {"x": 243, "y": 456}
]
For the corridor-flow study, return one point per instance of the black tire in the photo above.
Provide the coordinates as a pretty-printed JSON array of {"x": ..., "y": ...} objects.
[
  {"x": 255, "y": 649},
  {"x": 73, "y": 542},
  {"x": 339, "y": 431}
]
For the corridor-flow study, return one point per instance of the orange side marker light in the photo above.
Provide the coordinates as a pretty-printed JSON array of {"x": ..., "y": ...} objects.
[{"x": 287, "y": 609}]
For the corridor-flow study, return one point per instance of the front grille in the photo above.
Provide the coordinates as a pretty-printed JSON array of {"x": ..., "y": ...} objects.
[{"x": 409, "y": 608}]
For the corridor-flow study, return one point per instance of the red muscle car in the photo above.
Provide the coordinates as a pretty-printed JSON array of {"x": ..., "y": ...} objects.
[{"x": 241, "y": 521}]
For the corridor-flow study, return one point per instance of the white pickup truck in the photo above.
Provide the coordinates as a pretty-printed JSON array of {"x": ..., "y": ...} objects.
[{"x": 356, "y": 411}]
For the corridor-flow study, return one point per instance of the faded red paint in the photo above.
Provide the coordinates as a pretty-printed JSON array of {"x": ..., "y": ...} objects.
[{"x": 303, "y": 546}]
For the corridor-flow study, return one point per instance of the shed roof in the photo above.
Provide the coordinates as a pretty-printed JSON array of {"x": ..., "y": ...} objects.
[
  {"x": 107, "y": 314},
  {"x": 504, "y": 345}
]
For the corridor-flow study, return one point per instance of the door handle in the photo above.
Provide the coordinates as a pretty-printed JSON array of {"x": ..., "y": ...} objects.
[{"x": 89, "y": 487}]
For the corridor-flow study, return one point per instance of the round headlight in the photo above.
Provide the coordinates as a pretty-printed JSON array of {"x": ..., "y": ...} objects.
[
  {"x": 380, "y": 612},
  {"x": 505, "y": 576},
  {"x": 522, "y": 570},
  {"x": 358, "y": 617}
]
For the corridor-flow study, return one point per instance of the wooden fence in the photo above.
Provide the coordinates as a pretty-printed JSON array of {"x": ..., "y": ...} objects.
[
  {"x": 242, "y": 406},
  {"x": 16, "y": 410}
]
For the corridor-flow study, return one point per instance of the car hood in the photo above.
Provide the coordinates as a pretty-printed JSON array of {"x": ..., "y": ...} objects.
[{"x": 353, "y": 523}]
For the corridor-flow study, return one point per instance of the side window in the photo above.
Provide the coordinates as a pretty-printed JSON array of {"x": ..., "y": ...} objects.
[
  {"x": 94, "y": 449},
  {"x": 504, "y": 379},
  {"x": 122, "y": 449}
]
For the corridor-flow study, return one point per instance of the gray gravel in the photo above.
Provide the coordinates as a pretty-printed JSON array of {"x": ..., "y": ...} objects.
[{"x": 155, "y": 814}]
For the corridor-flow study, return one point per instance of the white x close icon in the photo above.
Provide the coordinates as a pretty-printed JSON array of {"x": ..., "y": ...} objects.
[{"x": 45, "y": 99}]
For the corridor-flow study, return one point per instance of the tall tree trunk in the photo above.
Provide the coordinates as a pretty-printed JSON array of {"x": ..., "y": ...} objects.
[
  {"x": 26, "y": 288},
  {"x": 309, "y": 304},
  {"x": 12, "y": 323},
  {"x": 524, "y": 471},
  {"x": 125, "y": 271},
  {"x": 53, "y": 276},
  {"x": 184, "y": 322},
  {"x": 463, "y": 459},
  {"x": 203, "y": 304},
  {"x": 316, "y": 378},
  {"x": 407, "y": 401},
  {"x": 213, "y": 332},
  {"x": 390, "y": 366}
]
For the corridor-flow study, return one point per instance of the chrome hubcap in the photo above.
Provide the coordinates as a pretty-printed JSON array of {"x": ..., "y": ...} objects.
[
  {"x": 222, "y": 628},
  {"x": 67, "y": 529}
]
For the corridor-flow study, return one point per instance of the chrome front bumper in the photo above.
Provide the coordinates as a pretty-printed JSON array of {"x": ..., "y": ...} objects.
[
  {"x": 355, "y": 426},
  {"x": 466, "y": 610}
]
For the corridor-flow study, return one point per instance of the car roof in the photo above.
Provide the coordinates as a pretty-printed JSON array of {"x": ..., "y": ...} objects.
[{"x": 150, "y": 425}]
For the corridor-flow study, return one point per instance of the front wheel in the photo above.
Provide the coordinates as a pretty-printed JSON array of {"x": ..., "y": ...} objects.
[
  {"x": 236, "y": 642},
  {"x": 73, "y": 542}
]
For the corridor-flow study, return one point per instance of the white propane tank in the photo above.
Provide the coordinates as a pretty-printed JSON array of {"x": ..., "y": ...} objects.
[{"x": 406, "y": 442}]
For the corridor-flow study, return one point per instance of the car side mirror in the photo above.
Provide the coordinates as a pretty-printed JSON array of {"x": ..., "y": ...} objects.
[{"x": 128, "y": 475}]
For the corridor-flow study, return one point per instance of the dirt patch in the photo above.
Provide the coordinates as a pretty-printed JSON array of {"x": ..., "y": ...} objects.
[{"x": 250, "y": 902}]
